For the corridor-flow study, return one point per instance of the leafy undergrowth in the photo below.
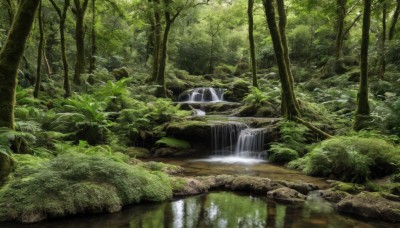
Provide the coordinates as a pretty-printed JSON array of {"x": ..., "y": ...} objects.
[
  {"x": 350, "y": 158},
  {"x": 75, "y": 183}
]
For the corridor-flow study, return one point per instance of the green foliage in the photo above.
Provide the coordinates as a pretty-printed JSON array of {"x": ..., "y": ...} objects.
[
  {"x": 256, "y": 97},
  {"x": 75, "y": 183},
  {"x": 353, "y": 158},
  {"x": 278, "y": 153},
  {"x": 172, "y": 142}
]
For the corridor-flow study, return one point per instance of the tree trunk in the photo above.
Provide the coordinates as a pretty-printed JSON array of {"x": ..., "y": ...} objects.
[
  {"x": 251, "y": 41},
  {"x": 80, "y": 40},
  {"x": 40, "y": 52},
  {"x": 363, "y": 110},
  {"x": 291, "y": 110},
  {"x": 10, "y": 58},
  {"x": 341, "y": 15},
  {"x": 92, "y": 64},
  {"x": 395, "y": 18},
  {"x": 383, "y": 41},
  {"x": 63, "y": 17},
  {"x": 161, "y": 90},
  {"x": 157, "y": 43},
  {"x": 10, "y": 11}
]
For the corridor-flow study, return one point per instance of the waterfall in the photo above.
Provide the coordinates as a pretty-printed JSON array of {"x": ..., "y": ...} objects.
[
  {"x": 198, "y": 112},
  {"x": 203, "y": 94},
  {"x": 250, "y": 143},
  {"x": 237, "y": 139},
  {"x": 224, "y": 137}
]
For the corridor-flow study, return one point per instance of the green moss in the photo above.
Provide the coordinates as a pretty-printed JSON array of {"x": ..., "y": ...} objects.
[
  {"x": 353, "y": 159},
  {"x": 78, "y": 183},
  {"x": 5, "y": 166},
  {"x": 174, "y": 143},
  {"x": 281, "y": 154},
  {"x": 347, "y": 187}
]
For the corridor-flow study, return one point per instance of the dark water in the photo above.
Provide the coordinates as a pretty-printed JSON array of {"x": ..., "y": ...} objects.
[{"x": 220, "y": 210}]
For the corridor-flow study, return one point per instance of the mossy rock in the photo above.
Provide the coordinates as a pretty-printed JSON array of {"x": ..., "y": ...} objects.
[
  {"x": 347, "y": 187},
  {"x": 120, "y": 73},
  {"x": 282, "y": 155},
  {"x": 5, "y": 167},
  {"x": 137, "y": 152},
  {"x": 173, "y": 142},
  {"x": 76, "y": 183}
]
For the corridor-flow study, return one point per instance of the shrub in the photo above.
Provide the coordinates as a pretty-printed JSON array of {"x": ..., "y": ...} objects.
[
  {"x": 174, "y": 143},
  {"x": 78, "y": 183},
  {"x": 281, "y": 154},
  {"x": 353, "y": 158}
]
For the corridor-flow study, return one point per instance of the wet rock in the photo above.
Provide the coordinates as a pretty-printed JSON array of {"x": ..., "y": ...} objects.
[
  {"x": 287, "y": 196},
  {"x": 303, "y": 188},
  {"x": 191, "y": 186},
  {"x": 245, "y": 183},
  {"x": 173, "y": 152},
  {"x": 370, "y": 205},
  {"x": 333, "y": 196}
]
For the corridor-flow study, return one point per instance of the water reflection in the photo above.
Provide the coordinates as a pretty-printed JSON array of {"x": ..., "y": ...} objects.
[{"x": 219, "y": 210}]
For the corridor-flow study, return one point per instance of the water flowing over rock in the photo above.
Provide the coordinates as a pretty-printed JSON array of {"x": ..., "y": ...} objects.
[
  {"x": 250, "y": 143},
  {"x": 225, "y": 136},
  {"x": 203, "y": 94}
]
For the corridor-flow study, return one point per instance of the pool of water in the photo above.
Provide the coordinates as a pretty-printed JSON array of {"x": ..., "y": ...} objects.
[{"x": 217, "y": 209}]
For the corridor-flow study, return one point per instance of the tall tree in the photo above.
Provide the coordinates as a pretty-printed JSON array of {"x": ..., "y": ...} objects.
[
  {"x": 93, "y": 49},
  {"x": 290, "y": 110},
  {"x": 395, "y": 18},
  {"x": 383, "y": 40},
  {"x": 80, "y": 11},
  {"x": 251, "y": 41},
  {"x": 341, "y": 15},
  {"x": 10, "y": 58},
  {"x": 363, "y": 110},
  {"x": 156, "y": 38},
  {"x": 62, "y": 14},
  {"x": 40, "y": 52}
]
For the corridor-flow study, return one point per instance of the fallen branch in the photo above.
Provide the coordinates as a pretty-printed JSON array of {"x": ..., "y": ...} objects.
[{"x": 323, "y": 134}]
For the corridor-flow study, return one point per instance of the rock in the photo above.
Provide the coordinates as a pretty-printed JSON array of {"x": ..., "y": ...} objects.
[
  {"x": 5, "y": 167},
  {"x": 287, "y": 196},
  {"x": 138, "y": 152},
  {"x": 120, "y": 73},
  {"x": 192, "y": 186},
  {"x": 173, "y": 152},
  {"x": 245, "y": 183},
  {"x": 370, "y": 205},
  {"x": 303, "y": 188},
  {"x": 333, "y": 196}
]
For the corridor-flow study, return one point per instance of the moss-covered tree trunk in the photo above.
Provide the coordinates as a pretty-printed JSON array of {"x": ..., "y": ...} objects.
[
  {"x": 10, "y": 58},
  {"x": 363, "y": 110},
  {"x": 291, "y": 111},
  {"x": 340, "y": 15},
  {"x": 40, "y": 53},
  {"x": 10, "y": 11},
  {"x": 80, "y": 10},
  {"x": 157, "y": 42},
  {"x": 92, "y": 63},
  {"x": 395, "y": 19},
  {"x": 62, "y": 14},
  {"x": 383, "y": 41},
  {"x": 251, "y": 41},
  {"x": 161, "y": 89}
]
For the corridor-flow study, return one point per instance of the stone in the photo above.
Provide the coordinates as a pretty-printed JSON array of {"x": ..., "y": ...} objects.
[
  {"x": 370, "y": 205},
  {"x": 192, "y": 186},
  {"x": 287, "y": 196},
  {"x": 303, "y": 188},
  {"x": 138, "y": 152},
  {"x": 333, "y": 196}
]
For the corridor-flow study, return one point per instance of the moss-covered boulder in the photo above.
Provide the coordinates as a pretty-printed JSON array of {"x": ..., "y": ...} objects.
[
  {"x": 5, "y": 167},
  {"x": 332, "y": 195},
  {"x": 172, "y": 147},
  {"x": 370, "y": 205},
  {"x": 77, "y": 183},
  {"x": 137, "y": 152},
  {"x": 287, "y": 196}
]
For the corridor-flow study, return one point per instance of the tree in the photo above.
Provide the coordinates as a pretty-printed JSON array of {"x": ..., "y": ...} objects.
[
  {"x": 10, "y": 58},
  {"x": 395, "y": 18},
  {"x": 80, "y": 11},
  {"x": 341, "y": 15},
  {"x": 290, "y": 109},
  {"x": 40, "y": 51},
  {"x": 251, "y": 41},
  {"x": 62, "y": 14},
  {"x": 383, "y": 40},
  {"x": 92, "y": 63},
  {"x": 363, "y": 110}
]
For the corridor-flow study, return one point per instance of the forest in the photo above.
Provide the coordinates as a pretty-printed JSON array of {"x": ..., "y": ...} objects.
[{"x": 200, "y": 113}]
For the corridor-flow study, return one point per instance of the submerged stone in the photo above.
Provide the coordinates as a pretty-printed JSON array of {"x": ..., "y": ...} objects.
[{"x": 287, "y": 196}]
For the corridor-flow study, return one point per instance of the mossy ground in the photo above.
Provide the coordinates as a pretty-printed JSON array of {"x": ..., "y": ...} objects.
[{"x": 77, "y": 183}]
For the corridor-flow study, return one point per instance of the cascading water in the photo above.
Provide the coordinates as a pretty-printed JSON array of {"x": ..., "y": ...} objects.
[
  {"x": 198, "y": 112},
  {"x": 203, "y": 94},
  {"x": 238, "y": 140}
]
